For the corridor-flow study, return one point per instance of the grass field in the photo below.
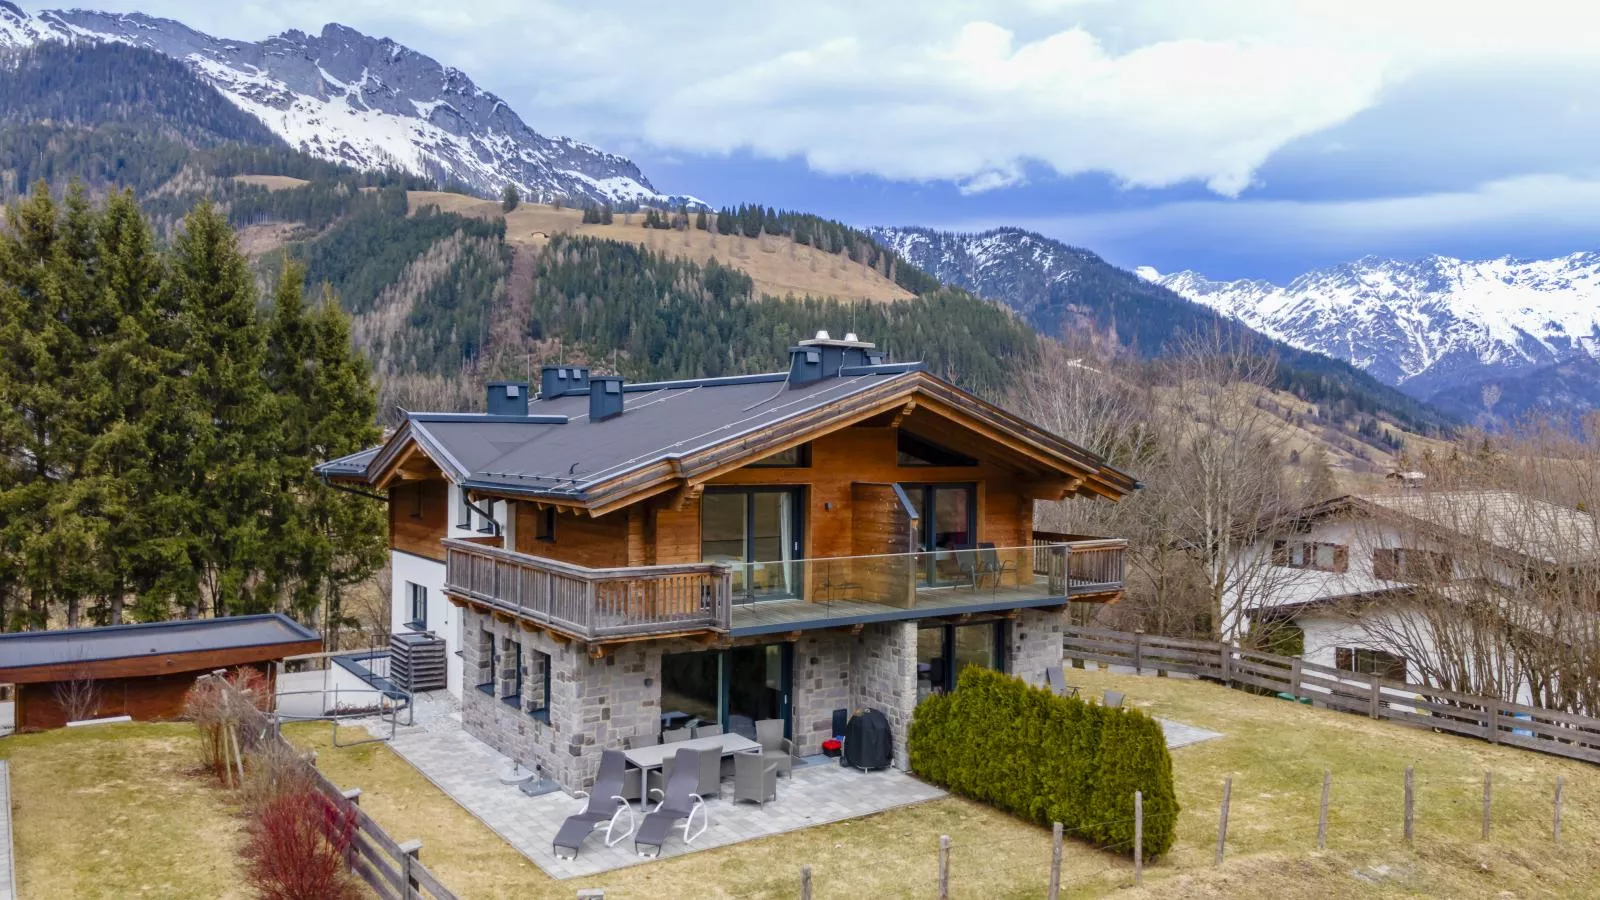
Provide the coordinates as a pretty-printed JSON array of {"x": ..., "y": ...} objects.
[
  {"x": 116, "y": 812},
  {"x": 778, "y": 266}
]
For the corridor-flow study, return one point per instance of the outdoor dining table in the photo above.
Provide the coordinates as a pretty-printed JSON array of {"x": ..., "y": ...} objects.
[{"x": 655, "y": 755}]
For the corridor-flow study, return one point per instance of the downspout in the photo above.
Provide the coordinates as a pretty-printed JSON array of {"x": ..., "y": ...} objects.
[{"x": 493, "y": 525}]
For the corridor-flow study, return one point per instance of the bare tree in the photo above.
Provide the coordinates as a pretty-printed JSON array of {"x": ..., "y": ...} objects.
[{"x": 78, "y": 696}]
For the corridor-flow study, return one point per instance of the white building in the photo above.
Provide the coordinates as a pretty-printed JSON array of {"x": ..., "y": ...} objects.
[{"x": 1383, "y": 584}]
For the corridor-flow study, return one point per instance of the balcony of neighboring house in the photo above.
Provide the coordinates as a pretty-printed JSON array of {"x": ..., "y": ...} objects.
[{"x": 751, "y": 598}]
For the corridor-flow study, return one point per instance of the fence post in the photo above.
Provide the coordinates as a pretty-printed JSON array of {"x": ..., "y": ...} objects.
[
  {"x": 1138, "y": 837},
  {"x": 1561, "y": 782},
  {"x": 1227, "y": 664},
  {"x": 1138, "y": 651},
  {"x": 1410, "y": 801},
  {"x": 1376, "y": 691},
  {"x": 409, "y": 852},
  {"x": 1055, "y": 861},
  {"x": 1294, "y": 679},
  {"x": 1488, "y": 787},
  {"x": 1222, "y": 822},
  {"x": 1322, "y": 813},
  {"x": 944, "y": 867},
  {"x": 353, "y": 795},
  {"x": 1492, "y": 721},
  {"x": 805, "y": 883}
]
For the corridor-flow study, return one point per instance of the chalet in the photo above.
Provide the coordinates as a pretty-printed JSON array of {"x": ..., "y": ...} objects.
[
  {"x": 1368, "y": 583},
  {"x": 608, "y": 558}
]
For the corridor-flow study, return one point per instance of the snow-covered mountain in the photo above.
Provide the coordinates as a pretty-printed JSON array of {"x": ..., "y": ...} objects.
[
  {"x": 366, "y": 102},
  {"x": 1433, "y": 326}
]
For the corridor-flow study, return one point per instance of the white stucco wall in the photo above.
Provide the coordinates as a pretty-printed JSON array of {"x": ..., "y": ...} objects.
[{"x": 442, "y": 617}]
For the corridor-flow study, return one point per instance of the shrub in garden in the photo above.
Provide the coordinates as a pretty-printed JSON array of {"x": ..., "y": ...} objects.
[
  {"x": 297, "y": 849},
  {"x": 236, "y": 701},
  {"x": 1049, "y": 759},
  {"x": 272, "y": 770}
]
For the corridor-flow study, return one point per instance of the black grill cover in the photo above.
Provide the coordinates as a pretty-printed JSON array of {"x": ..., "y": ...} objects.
[{"x": 867, "y": 743}]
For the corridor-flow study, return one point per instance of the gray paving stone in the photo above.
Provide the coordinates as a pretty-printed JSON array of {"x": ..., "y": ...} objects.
[{"x": 465, "y": 768}]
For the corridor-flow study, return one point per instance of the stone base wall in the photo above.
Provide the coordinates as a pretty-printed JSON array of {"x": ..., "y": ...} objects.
[
  {"x": 884, "y": 670},
  {"x": 821, "y": 685},
  {"x": 1035, "y": 644}
]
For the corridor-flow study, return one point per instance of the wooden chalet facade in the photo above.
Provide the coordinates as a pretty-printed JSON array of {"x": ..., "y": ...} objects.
[{"x": 610, "y": 558}]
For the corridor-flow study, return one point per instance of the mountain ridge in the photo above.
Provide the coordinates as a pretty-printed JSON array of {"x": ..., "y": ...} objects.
[{"x": 370, "y": 103}]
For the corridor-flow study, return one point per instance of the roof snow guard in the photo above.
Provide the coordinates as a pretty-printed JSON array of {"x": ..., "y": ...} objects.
[{"x": 636, "y": 440}]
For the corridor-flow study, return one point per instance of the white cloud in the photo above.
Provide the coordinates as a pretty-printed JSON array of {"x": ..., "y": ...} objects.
[{"x": 1151, "y": 92}]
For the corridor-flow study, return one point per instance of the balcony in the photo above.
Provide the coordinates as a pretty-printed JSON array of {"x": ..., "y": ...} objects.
[{"x": 599, "y": 605}]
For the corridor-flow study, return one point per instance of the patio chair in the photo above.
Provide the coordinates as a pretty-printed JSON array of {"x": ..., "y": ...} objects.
[
  {"x": 755, "y": 777},
  {"x": 678, "y": 802},
  {"x": 674, "y": 735},
  {"x": 990, "y": 565},
  {"x": 578, "y": 826},
  {"x": 708, "y": 779},
  {"x": 701, "y": 731},
  {"x": 1112, "y": 699},
  {"x": 630, "y": 777},
  {"x": 769, "y": 734},
  {"x": 1056, "y": 679}
]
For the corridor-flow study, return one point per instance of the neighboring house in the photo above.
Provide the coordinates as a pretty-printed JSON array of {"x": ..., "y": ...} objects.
[
  {"x": 610, "y": 558},
  {"x": 1368, "y": 584}
]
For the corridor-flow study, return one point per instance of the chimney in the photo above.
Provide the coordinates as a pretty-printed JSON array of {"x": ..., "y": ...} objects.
[
  {"x": 559, "y": 381},
  {"x": 605, "y": 397},
  {"x": 508, "y": 398},
  {"x": 822, "y": 357}
]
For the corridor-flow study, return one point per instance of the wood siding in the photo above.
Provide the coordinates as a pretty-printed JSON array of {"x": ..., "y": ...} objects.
[
  {"x": 148, "y": 699},
  {"x": 419, "y": 517},
  {"x": 579, "y": 539}
]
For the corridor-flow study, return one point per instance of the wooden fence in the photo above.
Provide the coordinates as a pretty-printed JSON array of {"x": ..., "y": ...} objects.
[{"x": 1496, "y": 721}]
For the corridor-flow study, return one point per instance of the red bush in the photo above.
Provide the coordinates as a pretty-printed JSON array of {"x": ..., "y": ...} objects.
[{"x": 298, "y": 847}]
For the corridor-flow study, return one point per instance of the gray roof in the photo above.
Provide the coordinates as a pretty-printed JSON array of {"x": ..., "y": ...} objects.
[
  {"x": 354, "y": 464},
  {"x": 1504, "y": 519},
  {"x": 83, "y": 645}
]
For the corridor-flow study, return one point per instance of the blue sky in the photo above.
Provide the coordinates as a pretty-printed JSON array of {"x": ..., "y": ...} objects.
[{"x": 1246, "y": 138}]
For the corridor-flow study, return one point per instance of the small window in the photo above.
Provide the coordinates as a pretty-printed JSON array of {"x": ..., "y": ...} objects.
[
  {"x": 488, "y": 521},
  {"x": 544, "y": 525},
  {"x": 1318, "y": 555},
  {"x": 416, "y": 501},
  {"x": 1411, "y": 565},
  {"x": 417, "y": 605},
  {"x": 798, "y": 457},
  {"x": 1387, "y": 666},
  {"x": 915, "y": 451},
  {"x": 537, "y": 690},
  {"x": 463, "y": 509},
  {"x": 511, "y": 687}
]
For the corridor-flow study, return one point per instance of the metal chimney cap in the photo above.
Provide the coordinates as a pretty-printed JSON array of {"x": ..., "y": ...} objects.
[
  {"x": 851, "y": 336},
  {"x": 822, "y": 335}
]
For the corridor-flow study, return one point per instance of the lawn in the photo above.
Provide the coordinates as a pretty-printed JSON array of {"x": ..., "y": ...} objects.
[
  {"x": 118, "y": 811},
  {"x": 1275, "y": 752}
]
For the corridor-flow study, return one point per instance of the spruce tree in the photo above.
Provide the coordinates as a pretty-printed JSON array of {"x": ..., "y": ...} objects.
[{"x": 228, "y": 468}]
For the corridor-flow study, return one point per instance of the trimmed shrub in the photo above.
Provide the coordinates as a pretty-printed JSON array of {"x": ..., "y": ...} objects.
[
  {"x": 1048, "y": 759},
  {"x": 297, "y": 850},
  {"x": 272, "y": 770}
]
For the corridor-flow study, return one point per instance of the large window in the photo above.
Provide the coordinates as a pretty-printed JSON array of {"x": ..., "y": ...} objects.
[
  {"x": 947, "y": 519},
  {"x": 735, "y": 688},
  {"x": 757, "y": 532},
  {"x": 463, "y": 509},
  {"x": 511, "y": 688},
  {"x": 915, "y": 451},
  {"x": 1318, "y": 555},
  {"x": 1388, "y": 666},
  {"x": 944, "y": 650},
  {"x": 1410, "y": 564},
  {"x": 536, "y": 689},
  {"x": 488, "y": 661},
  {"x": 417, "y": 606}
]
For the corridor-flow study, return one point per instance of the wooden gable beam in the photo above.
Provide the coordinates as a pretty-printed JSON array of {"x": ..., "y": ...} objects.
[
  {"x": 908, "y": 409},
  {"x": 1051, "y": 489}
]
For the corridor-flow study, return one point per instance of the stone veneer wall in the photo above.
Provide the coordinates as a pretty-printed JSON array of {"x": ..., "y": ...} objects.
[
  {"x": 821, "y": 685},
  {"x": 884, "y": 666},
  {"x": 1035, "y": 643}
]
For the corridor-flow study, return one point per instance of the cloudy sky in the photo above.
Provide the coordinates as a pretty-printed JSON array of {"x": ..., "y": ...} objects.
[{"x": 1242, "y": 138}]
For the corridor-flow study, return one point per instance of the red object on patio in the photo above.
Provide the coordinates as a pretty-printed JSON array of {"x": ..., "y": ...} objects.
[{"x": 831, "y": 747}]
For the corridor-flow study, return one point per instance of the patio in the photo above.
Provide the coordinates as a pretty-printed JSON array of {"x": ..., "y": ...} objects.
[{"x": 467, "y": 769}]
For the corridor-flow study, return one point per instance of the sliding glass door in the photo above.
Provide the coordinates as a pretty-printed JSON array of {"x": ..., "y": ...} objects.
[
  {"x": 736, "y": 688},
  {"x": 947, "y": 516},
  {"x": 756, "y": 531}
]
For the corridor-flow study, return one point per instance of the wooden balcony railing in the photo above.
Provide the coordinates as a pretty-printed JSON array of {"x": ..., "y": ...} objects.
[
  {"x": 1083, "y": 565},
  {"x": 591, "y": 604}
]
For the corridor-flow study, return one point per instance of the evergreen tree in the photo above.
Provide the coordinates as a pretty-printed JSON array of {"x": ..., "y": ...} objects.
[
  {"x": 700, "y": 223},
  {"x": 509, "y": 198},
  {"x": 230, "y": 416}
]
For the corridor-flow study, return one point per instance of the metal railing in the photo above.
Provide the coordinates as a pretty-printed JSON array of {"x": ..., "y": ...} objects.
[{"x": 591, "y": 603}]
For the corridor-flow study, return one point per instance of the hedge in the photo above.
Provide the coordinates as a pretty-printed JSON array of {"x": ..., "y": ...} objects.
[{"x": 1026, "y": 751}]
